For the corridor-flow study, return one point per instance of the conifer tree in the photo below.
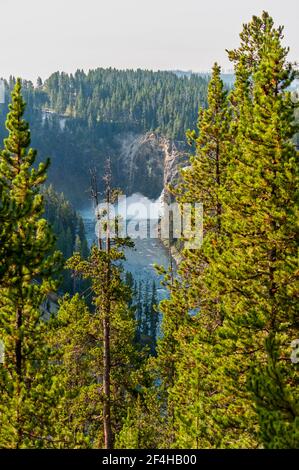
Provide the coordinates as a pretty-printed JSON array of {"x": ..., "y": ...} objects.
[
  {"x": 233, "y": 354},
  {"x": 115, "y": 332},
  {"x": 144, "y": 425},
  {"x": 193, "y": 313},
  {"x": 72, "y": 337},
  {"x": 7, "y": 216},
  {"x": 26, "y": 385},
  {"x": 154, "y": 318},
  {"x": 258, "y": 270},
  {"x": 139, "y": 288},
  {"x": 146, "y": 312},
  {"x": 122, "y": 350}
]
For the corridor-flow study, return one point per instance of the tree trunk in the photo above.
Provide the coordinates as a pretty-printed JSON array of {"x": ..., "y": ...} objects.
[
  {"x": 108, "y": 435},
  {"x": 108, "y": 438},
  {"x": 18, "y": 359}
]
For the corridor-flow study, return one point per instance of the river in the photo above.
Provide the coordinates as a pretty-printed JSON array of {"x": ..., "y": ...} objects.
[{"x": 147, "y": 252}]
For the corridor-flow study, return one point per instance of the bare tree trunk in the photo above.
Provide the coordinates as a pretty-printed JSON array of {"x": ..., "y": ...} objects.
[
  {"x": 108, "y": 435},
  {"x": 218, "y": 181},
  {"x": 18, "y": 359}
]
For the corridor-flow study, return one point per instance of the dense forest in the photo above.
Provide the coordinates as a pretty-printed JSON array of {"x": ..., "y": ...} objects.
[
  {"x": 120, "y": 99},
  {"x": 69, "y": 231},
  {"x": 221, "y": 368},
  {"x": 135, "y": 100},
  {"x": 78, "y": 120}
]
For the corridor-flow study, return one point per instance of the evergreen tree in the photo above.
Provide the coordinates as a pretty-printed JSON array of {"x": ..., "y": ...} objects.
[
  {"x": 122, "y": 350},
  {"x": 26, "y": 384},
  {"x": 95, "y": 374},
  {"x": 116, "y": 325},
  {"x": 153, "y": 318},
  {"x": 7, "y": 216},
  {"x": 69, "y": 230},
  {"x": 138, "y": 306},
  {"x": 144, "y": 425},
  {"x": 75, "y": 336},
  {"x": 145, "y": 312},
  {"x": 259, "y": 267},
  {"x": 191, "y": 316}
]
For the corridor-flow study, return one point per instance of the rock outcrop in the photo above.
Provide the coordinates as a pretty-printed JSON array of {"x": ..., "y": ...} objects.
[
  {"x": 143, "y": 163},
  {"x": 149, "y": 163}
]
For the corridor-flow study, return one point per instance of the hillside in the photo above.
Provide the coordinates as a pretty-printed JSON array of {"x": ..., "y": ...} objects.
[{"x": 131, "y": 116}]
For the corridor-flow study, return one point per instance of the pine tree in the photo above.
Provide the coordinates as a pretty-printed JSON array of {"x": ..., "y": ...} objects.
[
  {"x": 138, "y": 307},
  {"x": 111, "y": 298},
  {"x": 145, "y": 312},
  {"x": 193, "y": 313},
  {"x": 75, "y": 336},
  {"x": 81, "y": 234},
  {"x": 259, "y": 267},
  {"x": 123, "y": 353},
  {"x": 144, "y": 425},
  {"x": 153, "y": 318},
  {"x": 7, "y": 216},
  {"x": 25, "y": 381},
  {"x": 234, "y": 385}
]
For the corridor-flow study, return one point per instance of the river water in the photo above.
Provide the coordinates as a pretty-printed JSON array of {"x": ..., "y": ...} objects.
[{"x": 148, "y": 251}]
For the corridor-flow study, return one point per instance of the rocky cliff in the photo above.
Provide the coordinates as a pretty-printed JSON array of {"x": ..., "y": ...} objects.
[
  {"x": 148, "y": 163},
  {"x": 141, "y": 162}
]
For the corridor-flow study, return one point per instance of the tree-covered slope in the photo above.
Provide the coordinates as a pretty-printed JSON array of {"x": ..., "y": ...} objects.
[
  {"x": 79, "y": 120},
  {"x": 138, "y": 100}
]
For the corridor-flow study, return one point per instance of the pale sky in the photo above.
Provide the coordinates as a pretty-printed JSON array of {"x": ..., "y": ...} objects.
[{"x": 39, "y": 37}]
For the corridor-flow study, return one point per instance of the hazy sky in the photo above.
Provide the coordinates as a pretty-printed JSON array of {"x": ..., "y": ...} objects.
[{"x": 39, "y": 37}]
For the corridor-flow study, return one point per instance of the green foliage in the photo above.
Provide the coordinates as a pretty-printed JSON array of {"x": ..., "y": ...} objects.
[
  {"x": 8, "y": 215},
  {"x": 192, "y": 315},
  {"x": 98, "y": 374},
  {"x": 144, "y": 425},
  {"x": 224, "y": 358},
  {"x": 259, "y": 268},
  {"x": 147, "y": 316},
  {"x": 79, "y": 119},
  {"x": 69, "y": 230},
  {"x": 137, "y": 100},
  {"x": 27, "y": 388},
  {"x": 111, "y": 317},
  {"x": 75, "y": 338}
]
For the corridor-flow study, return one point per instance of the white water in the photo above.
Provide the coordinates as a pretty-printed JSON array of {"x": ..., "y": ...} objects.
[{"x": 148, "y": 251}]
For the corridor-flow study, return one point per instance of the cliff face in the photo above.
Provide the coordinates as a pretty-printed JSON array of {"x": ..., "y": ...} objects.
[
  {"x": 141, "y": 164},
  {"x": 176, "y": 156},
  {"x": 144, "y": 163},
  {"x": 148, "y": 163}
]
